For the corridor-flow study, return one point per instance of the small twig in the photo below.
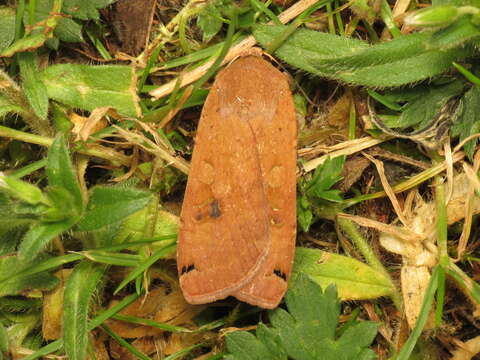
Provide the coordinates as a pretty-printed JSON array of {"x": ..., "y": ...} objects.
[
  {"x": 344, "y": 148},
  {"x": 399, "y": 232},
  {"x": 388, "y": 190},
  {"x": 385, "y": 154},
  {"x": 151, "y": 147},
  {"x": 234, "y": 52},
  {"x": 469, "y": 205}
]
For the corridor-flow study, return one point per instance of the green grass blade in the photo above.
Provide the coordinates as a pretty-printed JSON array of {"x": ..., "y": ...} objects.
[
  {"x": 422, "y": 318},
  {"x": 158, "y": 254}
]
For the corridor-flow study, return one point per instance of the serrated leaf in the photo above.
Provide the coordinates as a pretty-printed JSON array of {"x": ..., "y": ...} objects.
[
  {"x": 353, "y": 279},
  {"x": 66, "y": 28},
  {"x": 79, "y": 291},
  {"x": 13, "y": 282},
  {"x": 306, "y": 332},
  {"x": 325, "y": 176},
  {"x": 85, "y": 9},
  {"x": 108, "y": 205},
  {"x": 362, "y": 334},
  {"x": 69, "y": 31},
  {"x": 89, "y": 87},
  {"x": 401, "y": 61},
  {"x": 304, "y": 217},
  {"x": 468, "y": 122},
  {"x": 272, "y": 341},
  {"x": 245, "y": 346},
  {"x": 209, "y": 22}
]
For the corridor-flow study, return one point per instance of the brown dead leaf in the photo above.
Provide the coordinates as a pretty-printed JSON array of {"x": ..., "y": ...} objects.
[
  {"x": 352, "y": 171},
  {"x": 178, "y": 341},
  {"x": 132, "y": 21},
  {"x": 339, "y": 113},
  {"x": 99, "y": 347},
  {"x": 160, "y": 305},
  {"x": 83, "y": 127},
  {"x": 467, "y": 350},
  {"x": 415, "y": 281},
  {"x": 52, "y": 323}
]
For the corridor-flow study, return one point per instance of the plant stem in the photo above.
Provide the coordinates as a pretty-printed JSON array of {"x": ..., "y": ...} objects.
[
  {"x": 442, "y": 246},
  {"x": 362, "y": 245},
  {"x": 96, "y": 151}
]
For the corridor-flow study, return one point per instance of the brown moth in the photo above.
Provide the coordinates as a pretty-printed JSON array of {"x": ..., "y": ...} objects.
[{"x": 238, "y": 220}]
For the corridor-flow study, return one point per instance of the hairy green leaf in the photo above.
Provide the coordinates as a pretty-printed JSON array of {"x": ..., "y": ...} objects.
[
  {"x": 468, "y": 122},
  {"x": 69, "y": 31},
  {"x": 33, "y": 88},
  {"x": 27, "y": 43},
  {"x": 14, "y": 279},
  {"x": 8, "y": 106},
  {"x": 133, "y": 227},
  {"x": 424, "y": 102},
  {"x": 401, "y": 61},
  {"x": 61, "y": 174},
  {"x": 7, "y": 27},
  {"x": 38, "y": 237},
  {"x": 89, "y": 87},
  {"x": 79, "y": 291},
  {"x": 306, "y": 332},
  {"x": 108, "y": 205}
]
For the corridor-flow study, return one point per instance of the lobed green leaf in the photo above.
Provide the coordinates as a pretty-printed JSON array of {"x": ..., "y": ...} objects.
[{"x": 307, "y": 331}]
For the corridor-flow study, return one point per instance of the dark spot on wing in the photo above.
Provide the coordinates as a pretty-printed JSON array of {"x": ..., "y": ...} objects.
[
  {"x": 187, "y": 269},
  {"x": 280, "y": 274}
]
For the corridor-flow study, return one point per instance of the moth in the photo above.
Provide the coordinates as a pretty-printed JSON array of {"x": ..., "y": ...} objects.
[{"x": 238, "y": 220}]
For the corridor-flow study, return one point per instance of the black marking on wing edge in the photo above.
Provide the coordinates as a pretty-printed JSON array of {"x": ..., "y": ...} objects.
[
  {"x": 186, "y": 269},
  {"x": 280, "y": 274}
]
